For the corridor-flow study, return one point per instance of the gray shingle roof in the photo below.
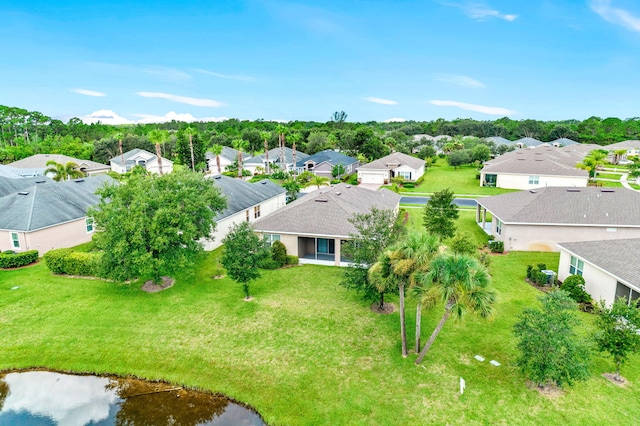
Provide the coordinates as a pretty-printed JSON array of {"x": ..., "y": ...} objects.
[
  {"x": 499, "y": 140},
  {"x": 227, "y": 153},
  {"x": 9, "y": 185},
  {"x": 545, "y": 161},
  {"x": 563, "y": 142},
  {"x": 326, "y": 211},
  {"x": 574, "y": 206},
  {"x": 39, "y": 161},
  {"x": 242, "y": 195},
  {"x": 44, "y": 205},
  {"x": 527, "y": 142},
  {"x": 274, "y": 156},
  {"x": 618, "y": 257},
  {"x": 330, "y": 156},
  {"x": 392, "y": 161},
  {"x": 630, "y": 144}
]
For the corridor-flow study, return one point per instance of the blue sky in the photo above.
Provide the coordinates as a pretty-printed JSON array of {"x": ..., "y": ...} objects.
[{"x": 149, "y": 61}]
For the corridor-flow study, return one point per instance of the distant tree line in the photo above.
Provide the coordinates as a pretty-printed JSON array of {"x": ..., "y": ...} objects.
[{"x": 24, "y": 133}]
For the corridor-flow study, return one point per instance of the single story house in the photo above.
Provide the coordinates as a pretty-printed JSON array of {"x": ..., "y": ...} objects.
[
  {"x": 322, "y": 163},
  {"x": 227, "y": 157},
  {"x": 37, "y": 164},
  {"x": 527, "y": 142},
  {"x": 539, "y": 219},
  {"x": 537, "y": 168},
  {"x": 315, "y": 226},
  {"x": 632, "y": 147},
  {"x": 560, "y": 142},
  {"x": 49, "y": 215},
  {"x": 397, "y": 164},
  {"x": 280, "y": 158},
  {"x": 140, "y": 157},
  {"x": 610, "y": 268},
  {"x": 245, "y": 202}
]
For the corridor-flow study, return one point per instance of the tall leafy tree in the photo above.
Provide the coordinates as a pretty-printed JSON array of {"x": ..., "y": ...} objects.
[
  {"x": 67, "y": 171},
  {"x": 242, "y": 255},
  {"x": 440, "y": 214},
  {"x": 550, "y": 350},
  {"x": 618, "y": 331},
  {"x": 151, "y": 226},
  {"x": 459, "y": 282}
]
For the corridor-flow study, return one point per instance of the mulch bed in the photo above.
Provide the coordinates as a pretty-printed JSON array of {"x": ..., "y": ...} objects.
[
  {"x": 151, "y": 287},
  {"x": 387, "y": 308},
  {"x": 612, "y": 378}
]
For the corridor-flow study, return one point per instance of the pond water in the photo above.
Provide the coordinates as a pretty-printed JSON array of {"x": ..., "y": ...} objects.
[{"x": 47, "y": 398}]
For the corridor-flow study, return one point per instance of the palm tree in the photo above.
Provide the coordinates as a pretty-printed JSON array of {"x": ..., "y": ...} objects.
[
  {"x": 190, "y": 131},
  {"x": 67, "y": 171},
  {"x": 240, "y": 145},
  {"x": 461, "y": 283},
  {"x": 294, "y": 137},
  {"x": 618, "y": 154},
  {"x": 119, "y": 136},
  {"x": 265, "y": 136},
  {"x": 157, "y": 136},
  {"x": 216, "y": 149},
  {"x": 593, "y": 161},
  {"x": 317, "y": 181},
  {"x": 280, "y": 129}
]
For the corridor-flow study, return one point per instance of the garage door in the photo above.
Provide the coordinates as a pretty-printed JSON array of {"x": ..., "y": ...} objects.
[{"x": 373, "y": 178}]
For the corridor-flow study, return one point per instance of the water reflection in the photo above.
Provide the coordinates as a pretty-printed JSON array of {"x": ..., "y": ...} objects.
[{"x": 47, "y": 398}]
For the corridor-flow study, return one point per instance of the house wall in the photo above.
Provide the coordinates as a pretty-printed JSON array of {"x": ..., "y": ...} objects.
[
  {"x": 545, "y": 237},
  {"x": 167, "y": 167},
  {"x": 223, "y": 226},
  {"x": 291, "y": 242},
  {"x": 61, "y": 236},
  {"x": 323, "y": 169},
  {"x": 521, "y": 181},
  {"x": 213, "y": 165},
  {"x": 415, "y": 174},
  {"x": 598, "y": 283}
]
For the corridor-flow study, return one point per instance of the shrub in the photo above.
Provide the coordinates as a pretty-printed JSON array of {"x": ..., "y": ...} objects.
[
  {"x": 280, "y": 175},
  {"x": 574, "y": 285},
  {"x": 461, "y": 244},
  {"x": 279, "y": 253},
  {"x": 420, "y": 180},
  {"x": 496, "y": 246},
  {"x": 67, "y": 261},
  {"x": 10, "y": 259},
  {"x": 408, "y": 185},
  {"x": 55, "y": 260},
  {"x": 292, "y": 260},
  {"x": 268, "y": 263},
  {"x": 485, "y": 259},
  {"x": 529, "y": 271}
]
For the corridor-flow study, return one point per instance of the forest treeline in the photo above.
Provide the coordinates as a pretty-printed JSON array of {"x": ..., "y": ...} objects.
[{"x": 24, "y": 133}]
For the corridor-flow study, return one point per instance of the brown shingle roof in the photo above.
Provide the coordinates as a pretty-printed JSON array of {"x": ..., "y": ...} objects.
[
  {"x": 574, "y": 206},
  {"x": 326, "y": 211}
]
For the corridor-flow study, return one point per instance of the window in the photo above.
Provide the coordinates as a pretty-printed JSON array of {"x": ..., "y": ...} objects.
[
  {"x": 631, "y": 296},
  {"x": 15, "y": 241},
  {"x": 490, "y": 180},
  {"x": 247, "y": 214},
  {"x": 256, "y": 212},
  {"x": 89, "y": 224},
  {"x": 404, "y": 175},
  {"x": 576, "y": 267},
  {"x": 534, "y": 180},
  {"x": 271, "y": 238},
  {"x": 326, "y": 246},
  {"x": 499, "y": 226}
]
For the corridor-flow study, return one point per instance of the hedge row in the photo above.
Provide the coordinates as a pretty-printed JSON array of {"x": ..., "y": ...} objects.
[
  {"x": 67, "y": 261},
  {"x": 9, "y": 259}
]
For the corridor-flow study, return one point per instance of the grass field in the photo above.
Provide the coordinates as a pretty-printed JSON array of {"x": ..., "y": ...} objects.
[{"x": 304, "y": 351}]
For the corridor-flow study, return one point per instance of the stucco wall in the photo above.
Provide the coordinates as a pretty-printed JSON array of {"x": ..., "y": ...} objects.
[
  {"x": 545, "y": 237},
  {"x": 599, "y": 284},
  {"x": 513, "y": 181},
  {"x": 66, "y": 235}
]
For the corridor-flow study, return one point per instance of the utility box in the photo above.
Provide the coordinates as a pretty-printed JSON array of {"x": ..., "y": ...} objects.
[{"x": 551, "y": 276}]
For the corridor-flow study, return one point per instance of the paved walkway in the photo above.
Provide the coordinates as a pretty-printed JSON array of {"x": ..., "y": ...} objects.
[{"x": 623, "y": 181}]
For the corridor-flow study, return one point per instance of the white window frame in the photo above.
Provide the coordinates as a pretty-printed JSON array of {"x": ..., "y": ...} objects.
[
  {"x": 404, "y": 175},
  {"x": 89, "y": 225},
  {"x": 15, "y": 240},
  {"x": 576, "y": 266},
  {"x": 256, "y": 212},
  {"x": 534, "y": 180},
  {"x": 271, "y": 238},
  {"x": 499, "y": 226}
]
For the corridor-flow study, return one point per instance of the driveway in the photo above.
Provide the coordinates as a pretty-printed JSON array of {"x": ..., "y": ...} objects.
[{"x": 371, "y": 186}]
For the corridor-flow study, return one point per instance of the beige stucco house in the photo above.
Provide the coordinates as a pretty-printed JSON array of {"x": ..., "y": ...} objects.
[
  {"x": 610, "y": 268},
  {"x": 315, "y": 226},
  {"x": 246, "y": 202},
  {"x": 49, "y": 215},
  {"x": 140, "y": 157},
  {"x": 539, "y": 219},
  {"x": 397, "y": 164},
  {"x": 322, "y": 163},
  {"x": 37, "y": 164},
  {"x": 539, "y": 167},
  {"x": 227, "y": 157}
]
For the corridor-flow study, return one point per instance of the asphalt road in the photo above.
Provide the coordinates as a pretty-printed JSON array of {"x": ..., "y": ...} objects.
[{"x": 463, "y": 202}]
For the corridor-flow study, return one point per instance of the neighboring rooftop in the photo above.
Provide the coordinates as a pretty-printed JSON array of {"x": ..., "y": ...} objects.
[
  {"x": 393, "y": 161},
  {"x": 44, "y": 205},
  {"x": 326, "y": 211},
  {"x": 545, "y": 161},
  {"x": 572, "y": 206},
  {"x": 499, "y": 140},
  {"x": 328, "y": 155},
  {"x": 39, "y": 161},
  {"x": 274, "y": 157},
  {"x": 227, "y": 153},
  {"x": 630, "y": 144},
  {"x": 618, "y": 257},
  {"x": 10, "y": 185},
  {"x": 528, "y": 142},
  {"x": 130, "y": 157},
  {"x": 563, "y": 142},
  {"x": 241, "y": 195}
]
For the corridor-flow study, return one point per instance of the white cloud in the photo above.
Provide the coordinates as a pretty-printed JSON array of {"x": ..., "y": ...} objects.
[
  {"x": 615, "y": 15},
  {"x": 182, "y": 99},
  {"x": 394, "y": 120},
  {"x": 380, "y": 101},
  {"x": 88, "y": 92},
  {"x": 185, "y": 117},
  {"x": 460, "y": 80},
  {"x": 481, "y": 12},
  {"x": 166, "y": 73},
  {"x": 473, "y": 107},
  {"x": 226, "y": 76},
  {"x": 105, "y": 116}
]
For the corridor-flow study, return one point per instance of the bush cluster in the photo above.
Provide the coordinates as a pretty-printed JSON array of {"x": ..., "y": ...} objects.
[
  {"x": 69, "y": 262},
  {"x": 11, "y": 259},
  {"x": 279, "y": 257},
  {"x": 574, "y": 285},
  {"x": 496, "y": 246},
  {"x": 536, "y": 276}
]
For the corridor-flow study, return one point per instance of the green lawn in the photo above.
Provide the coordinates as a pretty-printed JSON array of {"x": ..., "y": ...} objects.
[
  {"x": 609, "y": 176},
  {"x": 609, "y": 184},
  {"x": 461, "y": 181},
  {"x": 304, "y": 351}
]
